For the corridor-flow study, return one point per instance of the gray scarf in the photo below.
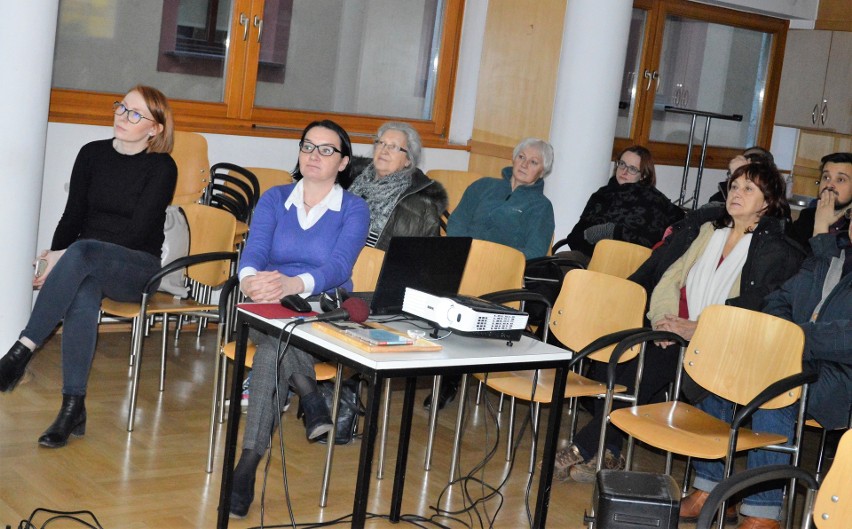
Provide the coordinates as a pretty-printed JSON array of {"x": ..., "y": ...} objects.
[{"x": 381, "y": 194}]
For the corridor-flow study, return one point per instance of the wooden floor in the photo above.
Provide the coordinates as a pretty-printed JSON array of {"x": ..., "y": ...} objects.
[{"x": 155, "y": 478}]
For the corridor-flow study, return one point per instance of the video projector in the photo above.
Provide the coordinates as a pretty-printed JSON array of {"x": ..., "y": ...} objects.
[{"x": 466, "y": 315}]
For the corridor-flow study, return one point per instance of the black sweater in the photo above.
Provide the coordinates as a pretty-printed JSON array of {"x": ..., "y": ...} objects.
[{"x": 117, "y": 198}]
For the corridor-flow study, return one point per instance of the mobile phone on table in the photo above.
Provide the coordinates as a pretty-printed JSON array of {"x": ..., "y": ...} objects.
[{"x": 40, "y": 267}]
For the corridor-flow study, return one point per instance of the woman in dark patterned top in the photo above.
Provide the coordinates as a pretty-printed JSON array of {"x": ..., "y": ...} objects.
[
  {"x": 107, "y": 243},
  {"x": 629, "y": 208}
]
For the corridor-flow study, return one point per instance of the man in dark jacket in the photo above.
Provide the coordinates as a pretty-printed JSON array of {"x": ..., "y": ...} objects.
[{"x": 835, "y": 199}]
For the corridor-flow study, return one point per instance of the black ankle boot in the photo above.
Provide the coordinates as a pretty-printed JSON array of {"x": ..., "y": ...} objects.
[
  {"x": 70, "y": 421},
  {"x": 13, "y": 366},
  {"x": 315, "y": 415},
  {"x": 242, "y": 493}
]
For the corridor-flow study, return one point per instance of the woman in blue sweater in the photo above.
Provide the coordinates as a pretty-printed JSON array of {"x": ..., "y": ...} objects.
[{"x": 304, "y": 239}]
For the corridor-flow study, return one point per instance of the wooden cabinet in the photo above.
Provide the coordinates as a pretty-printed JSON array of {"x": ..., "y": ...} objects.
[
  {"x": 811, "y": 147},
  {"x": 815, "y": 83}
]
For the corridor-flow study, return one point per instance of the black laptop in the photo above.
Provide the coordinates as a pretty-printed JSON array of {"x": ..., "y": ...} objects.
[{"x": 430, "y": 264}]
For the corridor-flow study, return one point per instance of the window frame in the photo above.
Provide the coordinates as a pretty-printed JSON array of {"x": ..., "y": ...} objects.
[
  {"x": 666, "y": 153},
  {"x": 236, "y": 114}
]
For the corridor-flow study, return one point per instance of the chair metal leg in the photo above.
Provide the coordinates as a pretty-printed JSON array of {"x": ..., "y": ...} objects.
[
  {"x": 163, "y": 352},
  {"x": 459, "y": 422},
  {"x": 329, "y": 452},
  {"x": 686, "y": 470},
  {"x": 380, "y": 471},
  {"x": 134, "y": 381},
  {"x": 215, "y": 408},
  {"x": 223, "y": 367},
  {"x": 500, "y": 404},
  {"x": 433, "y": 419},
  {"x": 535, "y": 423},
  {"x": 133, "y": 330},
  {"x": 821, "y": 455},
  {"x": 510, "y": 431},
  {"x": 479, "y": 392}
]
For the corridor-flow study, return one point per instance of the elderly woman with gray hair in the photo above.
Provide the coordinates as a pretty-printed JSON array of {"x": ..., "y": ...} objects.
[
  {"x": 511, "y": 210},
  {"x": 403, "y": 201}
]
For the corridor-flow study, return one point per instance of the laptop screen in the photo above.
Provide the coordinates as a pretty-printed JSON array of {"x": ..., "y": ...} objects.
[{"x": 431, "y": 264}]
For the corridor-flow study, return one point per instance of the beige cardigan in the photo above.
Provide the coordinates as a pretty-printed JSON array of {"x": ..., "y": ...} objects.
[{"x": 665, "y": 299}]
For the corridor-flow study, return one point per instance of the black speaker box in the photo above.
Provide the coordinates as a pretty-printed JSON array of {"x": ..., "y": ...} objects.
[{"x": 635, "y": 500}]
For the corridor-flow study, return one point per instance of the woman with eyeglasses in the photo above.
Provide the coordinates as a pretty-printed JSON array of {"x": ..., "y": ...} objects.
[
  {"x": 305, "y": 238},
  {"x": 722, "y": 254},
  {"x": 403, "y": 201},
  {"x": 107, "y": 243},
  {"x": 629, "y": 208}
]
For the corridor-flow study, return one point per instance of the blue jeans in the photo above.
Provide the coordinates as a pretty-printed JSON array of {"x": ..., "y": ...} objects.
[
  {"x": 72, "y": 294},
  {"x": 767, "y": 502}
]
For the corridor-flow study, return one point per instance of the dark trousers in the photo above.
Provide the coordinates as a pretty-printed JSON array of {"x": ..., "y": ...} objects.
[
  {"x": 659, "y": 372},
  {"x": 72, "y": 294}
]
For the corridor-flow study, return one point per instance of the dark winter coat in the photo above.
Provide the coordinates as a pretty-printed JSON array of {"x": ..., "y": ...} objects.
[
  {"x": 418, "y": 211},
  {"x": 641, "y": 214}
]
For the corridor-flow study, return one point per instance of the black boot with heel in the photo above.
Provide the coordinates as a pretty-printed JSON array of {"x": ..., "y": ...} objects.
[
  {"x": 242, "y": 493},
  {"x": 13, "y": 366},
  {"x": 70, "y": 421}
]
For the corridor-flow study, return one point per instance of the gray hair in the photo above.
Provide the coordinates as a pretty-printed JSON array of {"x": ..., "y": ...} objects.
[
  {"x": 414, "y": 145},
  {"x": 543, "y": 147}
]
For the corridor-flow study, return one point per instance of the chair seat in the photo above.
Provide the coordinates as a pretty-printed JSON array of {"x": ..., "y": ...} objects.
[
  {"x": 519, "y": 384},
  {"x": 229, "y": 350},
  {"x": 158, "y": 303},
  {"x": 683, "y": 429}
]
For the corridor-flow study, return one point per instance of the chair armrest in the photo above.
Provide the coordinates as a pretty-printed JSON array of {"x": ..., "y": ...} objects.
[
  {"x": 646, "y": 335},
  {"x": 516, "y": 294},
  {"x": 182, "y": 262},
  {"x": 749, "y": 478},
  {"x": 772, "y": 391},
  {"x": 603, "y": 341},
  {"x": 559, "y": 244}
]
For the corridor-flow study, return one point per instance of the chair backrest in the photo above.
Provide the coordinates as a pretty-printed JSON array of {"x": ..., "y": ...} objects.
[
  {"x": 833, "y": 505},
  {"x": 592, "y": 304},
  {"x": 190, "y": 155},
  {"x": 618, "y": 258},
  {"x": 233, "y": 188},
  {"x": 210, "y": 230},
  {"x": 737, "y": 353},
  {"x": 491, "y": 267},
  {"x": 365, "y": 273},
  {"x": 268, "y": 177},
  {"x": 455, "y": 182}
]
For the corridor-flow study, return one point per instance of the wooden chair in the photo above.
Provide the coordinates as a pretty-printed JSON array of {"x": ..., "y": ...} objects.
[
  {"x": 618, "y": 258},
  {"x": 591, "y": 305},
  {"x": 832, "y": 508},
  {"x": 268, "y": 177},
  {"x": 236, "y": 190},
  {"x": 455, "y": 182},
  {"x": 209, "y": 264},
  {"x": 365, "y": 273},
  {"x": 190, "y": 155},
  {"x": 751, "y": 359}
]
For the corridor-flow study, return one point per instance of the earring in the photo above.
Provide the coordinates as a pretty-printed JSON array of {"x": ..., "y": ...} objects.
[{"x": 151, "y": 134}]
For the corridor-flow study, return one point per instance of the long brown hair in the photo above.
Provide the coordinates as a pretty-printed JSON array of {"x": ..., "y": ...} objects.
[{"x": 158, "y": 104}]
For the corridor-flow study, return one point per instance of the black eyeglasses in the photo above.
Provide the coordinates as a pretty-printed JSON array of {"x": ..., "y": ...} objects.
[
  {"x": 632, "y": 170},
  {"x": 391, "y": 147},
  {"x": 325, "y": 150},
  {"x": 133, "y": 116}
]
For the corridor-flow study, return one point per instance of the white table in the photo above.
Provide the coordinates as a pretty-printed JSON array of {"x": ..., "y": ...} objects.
[{"x": 459, "y": 354}]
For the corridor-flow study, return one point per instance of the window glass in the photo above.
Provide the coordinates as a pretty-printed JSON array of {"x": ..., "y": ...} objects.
[
  {"x": 177, "y": 46},
  {"x": 712, "y": 68},
  {"x": 633, "y": 78},
  {"x": 374, "y": 57}
]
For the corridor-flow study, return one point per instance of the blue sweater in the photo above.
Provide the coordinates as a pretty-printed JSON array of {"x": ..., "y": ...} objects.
[
  {"x": 327, "y": 250},
  {"x": 491, "y": 211}
]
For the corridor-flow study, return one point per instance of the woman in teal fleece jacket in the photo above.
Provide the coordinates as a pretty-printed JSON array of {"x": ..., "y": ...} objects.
[{"x": 511, "y": 210}]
